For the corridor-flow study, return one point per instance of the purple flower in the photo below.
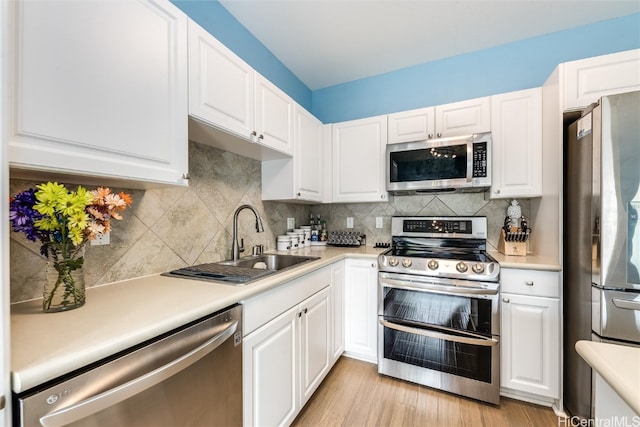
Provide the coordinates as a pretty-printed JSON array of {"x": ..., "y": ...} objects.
[{"x": 22, "y": 215}]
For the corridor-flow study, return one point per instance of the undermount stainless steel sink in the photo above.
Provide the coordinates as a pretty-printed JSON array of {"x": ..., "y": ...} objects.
[
  {"x": 277, "y": 262},
  {"x": 242, "y": 271}
]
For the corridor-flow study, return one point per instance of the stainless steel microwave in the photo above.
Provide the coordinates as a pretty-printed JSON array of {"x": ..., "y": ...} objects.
[{"x": 456, "y": 164}]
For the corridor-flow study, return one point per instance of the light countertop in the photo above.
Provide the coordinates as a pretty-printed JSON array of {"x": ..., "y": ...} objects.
[
  {"x": 618, "y": 365},
  {"x": 120, "y": 315},
  {"x": 529, "y": 262}
]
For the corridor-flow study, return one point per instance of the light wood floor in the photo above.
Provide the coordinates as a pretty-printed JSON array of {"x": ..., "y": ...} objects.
[{"x": 354, "y": 394}]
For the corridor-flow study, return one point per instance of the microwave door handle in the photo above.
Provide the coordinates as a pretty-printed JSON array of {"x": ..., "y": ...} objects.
[
  {"x": 117, "y": 394},
  {"x": 626, "y": 304},
  {"x": 485, "y": 342}
]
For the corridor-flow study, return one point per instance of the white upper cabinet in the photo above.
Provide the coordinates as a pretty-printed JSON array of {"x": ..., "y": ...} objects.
[
  {"x": 463, "y": 118},
  {"x": 99, "y": 89},
  {"x": 298, "y": 178},
  {"x": 516, "y": 126},
  {"x": 458, "y": 118},
  {"x": 220, "y": 84},
  {"x": 274, "y": 116},
  {"x": 358, "y": 148},
  {"x": 586, "y": 80},
  {"x": 413, "y": 125},
  {"x": 226, "y": 94}
]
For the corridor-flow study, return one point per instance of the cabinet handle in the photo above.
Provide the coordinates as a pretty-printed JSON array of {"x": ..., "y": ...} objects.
[
  {"x": 497, "y": 191},
  {"x": 529, "y": 283},
  {"x": 298, "y": 194},
  {"x": 382, "y": 196},
  {"x": 254, "y": 133},
  {"x": 439, "y": 135},
  {"x": 506, "y": 300},
  {"x": 261, "y": 136},
  {"x": 185, "y": 176},
  {"x": 299, "y": 314},
  {"x": 373, "y": 265},
  {"x": 305, "y": 311},
  {"x": 430, "y": 136}
]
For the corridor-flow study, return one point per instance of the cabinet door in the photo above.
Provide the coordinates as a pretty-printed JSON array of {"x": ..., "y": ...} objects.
[
  {"x": 463, "y": 118},
  {"x": 308, "y": 158},
  {"x": 358, "y": 148},
  {"x": 220, "y": 84},
  {"x": 315, "y": 342},
  {"x": 337, "y": 309},
  {"x": 530, "y": 344},
  {"x": 274, "y": 116},
  {"x": 100, "y": 89},
  {"x": 586, "y": 80},
  {"x": 361, "y": 300},
  {"x": 270, "y": 372},
  {"x": 413, "y": 125},
  {"x": 516, "y": 127}
]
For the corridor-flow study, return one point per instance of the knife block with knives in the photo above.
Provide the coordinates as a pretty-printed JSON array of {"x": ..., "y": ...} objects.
[{"x": 513, "y": 239}]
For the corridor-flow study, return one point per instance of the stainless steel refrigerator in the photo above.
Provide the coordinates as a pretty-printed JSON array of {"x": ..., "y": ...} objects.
[{"x": 601, "y": 252}]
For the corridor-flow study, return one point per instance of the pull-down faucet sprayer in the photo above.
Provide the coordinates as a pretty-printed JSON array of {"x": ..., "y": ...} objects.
[{"x": 237, "y": 248}]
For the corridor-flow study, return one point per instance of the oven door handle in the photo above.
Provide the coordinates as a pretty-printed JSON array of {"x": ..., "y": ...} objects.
[
  {"x": 117, "y": 394},
  {"x": 486, "y": 342},
  {"x": 424, "y": 286}
]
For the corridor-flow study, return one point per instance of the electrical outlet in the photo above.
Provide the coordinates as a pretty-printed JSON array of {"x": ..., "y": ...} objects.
[
  {"x": 349, "y": 222},
  {"x": 101, "y": 239},
  {"x": 291, "y": 223},
  {"x": 378, "y": 222}
]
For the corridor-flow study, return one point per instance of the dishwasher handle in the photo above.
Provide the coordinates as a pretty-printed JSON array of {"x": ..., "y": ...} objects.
[{"x": 117, "y": 394}]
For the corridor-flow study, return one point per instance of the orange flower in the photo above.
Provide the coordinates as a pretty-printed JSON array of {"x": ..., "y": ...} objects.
[{"x": 126, "y": 197}]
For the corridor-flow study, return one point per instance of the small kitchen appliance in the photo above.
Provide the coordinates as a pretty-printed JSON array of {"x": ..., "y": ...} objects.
[
  {"x": 455, "y": 164},
  {"x": 438, "y": 309}
]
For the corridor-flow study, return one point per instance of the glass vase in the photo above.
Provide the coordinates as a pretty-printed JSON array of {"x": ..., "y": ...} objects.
[{"x": 64, "y": 287}]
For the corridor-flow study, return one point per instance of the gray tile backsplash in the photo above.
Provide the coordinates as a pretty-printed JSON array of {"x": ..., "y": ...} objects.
[{"x": 168, "y": 228}]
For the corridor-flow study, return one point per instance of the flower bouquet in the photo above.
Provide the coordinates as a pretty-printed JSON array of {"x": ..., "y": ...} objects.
[{"x": 63, "y": 221}]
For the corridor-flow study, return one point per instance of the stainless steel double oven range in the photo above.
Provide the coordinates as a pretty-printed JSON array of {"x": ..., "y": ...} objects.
[{"x": 438, "y": 306}]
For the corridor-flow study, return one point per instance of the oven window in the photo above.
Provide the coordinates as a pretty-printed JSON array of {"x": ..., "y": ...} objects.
[
  {"x": 463, "y": 313},
  {"x": 429, "y": 164},
  {"x": 464, "y": 360}
]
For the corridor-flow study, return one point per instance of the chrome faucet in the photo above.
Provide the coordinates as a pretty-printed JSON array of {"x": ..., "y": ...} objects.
[{"x": 237, "y": 248}]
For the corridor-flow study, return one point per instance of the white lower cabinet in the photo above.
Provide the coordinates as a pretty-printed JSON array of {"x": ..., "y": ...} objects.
[
  {"x": 287, "y": 352},
  {"x": 530, "y": 335},
  {"x": 361, "y": 301},
  {"x": 337, "y": 309}
]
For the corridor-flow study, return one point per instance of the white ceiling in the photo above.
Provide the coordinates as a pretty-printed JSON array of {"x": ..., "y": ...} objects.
[{"x": 328, "y": 42}]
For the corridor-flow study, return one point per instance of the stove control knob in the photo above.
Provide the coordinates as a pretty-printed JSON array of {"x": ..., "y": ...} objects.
[
  {"x": 478, "y": 268},
  {"x": 433, "y": 264},
  {"x": 406, "y": 263},
  {"x": 462, "y": 267},
  {"x": 393, "y": 262}
]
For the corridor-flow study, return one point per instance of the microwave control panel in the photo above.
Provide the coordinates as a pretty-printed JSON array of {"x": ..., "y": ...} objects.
[{"x": 480, "y": 159}]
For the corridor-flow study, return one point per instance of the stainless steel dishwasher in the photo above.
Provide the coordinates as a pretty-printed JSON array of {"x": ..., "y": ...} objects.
[{"x": 191, "y": 376}]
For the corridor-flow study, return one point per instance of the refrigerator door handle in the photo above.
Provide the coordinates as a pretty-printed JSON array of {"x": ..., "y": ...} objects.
[{"x": 626, "y": 304}]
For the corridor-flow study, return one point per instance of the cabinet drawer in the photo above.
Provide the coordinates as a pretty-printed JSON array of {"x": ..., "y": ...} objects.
[
  {"x": 530, "y": 282},
  {"x": 268, "y": 305}
]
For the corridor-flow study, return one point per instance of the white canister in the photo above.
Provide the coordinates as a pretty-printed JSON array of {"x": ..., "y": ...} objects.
[
  {"x": 294, "y": 239},
  {"x": 301, "y": 239},
  {"x": 283, "y": 243}
]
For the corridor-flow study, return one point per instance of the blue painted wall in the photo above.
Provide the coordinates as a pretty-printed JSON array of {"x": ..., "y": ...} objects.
[
  {"x": 214, "y": 18},
  {"x": 514, "y": 66},
  {"x": 519, "y": 65}
]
